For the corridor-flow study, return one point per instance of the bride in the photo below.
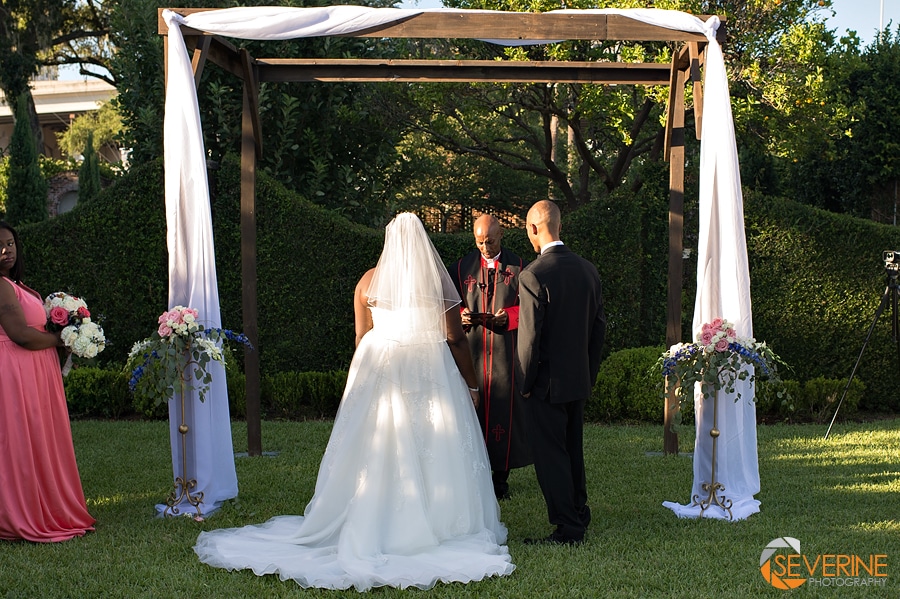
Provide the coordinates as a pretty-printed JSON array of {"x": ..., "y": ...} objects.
[{"x": 404, "y": 495}]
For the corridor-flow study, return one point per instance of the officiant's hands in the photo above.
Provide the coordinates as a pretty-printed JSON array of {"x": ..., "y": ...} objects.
[{"x": 499, "y": 320}]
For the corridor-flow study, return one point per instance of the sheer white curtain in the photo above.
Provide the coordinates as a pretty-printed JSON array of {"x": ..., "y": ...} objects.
[{"x": 723, "y": 277}]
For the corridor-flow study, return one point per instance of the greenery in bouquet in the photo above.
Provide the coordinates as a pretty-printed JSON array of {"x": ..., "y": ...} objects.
[
  {"x": 69, "y": 316},
  {"x": 176, "y": 357},
  {"x": 717, "y": 360}
]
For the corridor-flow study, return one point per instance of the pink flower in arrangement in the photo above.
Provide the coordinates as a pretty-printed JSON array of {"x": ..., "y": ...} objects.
[
  {"x": 716, "y": 323},
  {"x": 706, "y": 336},
  {"x": 59, "y": 315},
  {"x": 164, "y": 330},
  {"x": 83, "y": 312},
  {"x": 722, "y": 345}
]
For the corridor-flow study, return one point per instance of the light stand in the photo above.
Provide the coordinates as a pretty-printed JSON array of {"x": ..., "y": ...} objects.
[{"x": 891, "y": 293}]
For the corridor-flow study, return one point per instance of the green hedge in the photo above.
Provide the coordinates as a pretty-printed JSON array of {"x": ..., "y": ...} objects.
[
  {"x": 102, "y": 393},
  {"x": 97, "y": 393},
  {"x": 817, "y": 277},
  {"x": 626, "y": 391},
  {"x": 817, "y": 281}
]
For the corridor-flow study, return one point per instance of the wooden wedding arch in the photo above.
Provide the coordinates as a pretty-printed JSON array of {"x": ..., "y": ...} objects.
[{"x": 685, "y": 66}]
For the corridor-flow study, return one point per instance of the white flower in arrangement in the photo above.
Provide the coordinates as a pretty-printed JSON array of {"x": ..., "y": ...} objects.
[{"x": 69, "y": 335}]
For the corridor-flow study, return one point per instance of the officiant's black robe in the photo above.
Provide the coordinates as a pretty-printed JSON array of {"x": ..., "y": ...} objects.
[{"x": 500, "y": 411}]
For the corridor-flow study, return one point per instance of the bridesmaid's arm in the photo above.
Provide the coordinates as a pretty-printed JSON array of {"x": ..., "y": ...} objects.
[{"x": 12, "y": 320}]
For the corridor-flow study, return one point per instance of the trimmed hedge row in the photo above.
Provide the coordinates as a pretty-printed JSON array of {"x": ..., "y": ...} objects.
[
  {"x": 102, "y": 393},
  {"x": 817, "y": 280},
  {"x": 816, "y": 276},
  {"x": 625, "y": 392}
]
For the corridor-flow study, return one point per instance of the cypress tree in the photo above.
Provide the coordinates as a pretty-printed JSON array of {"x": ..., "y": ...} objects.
[
  {"x": 26, "y": 189},
  {"x": 89, "y": 173}
]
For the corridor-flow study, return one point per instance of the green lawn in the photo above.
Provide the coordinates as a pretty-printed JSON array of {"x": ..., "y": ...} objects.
[{"x": 837, "y": 496}]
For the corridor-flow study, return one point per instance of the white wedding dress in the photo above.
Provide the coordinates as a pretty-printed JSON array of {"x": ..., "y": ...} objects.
[{"x": 404, "y": 495}]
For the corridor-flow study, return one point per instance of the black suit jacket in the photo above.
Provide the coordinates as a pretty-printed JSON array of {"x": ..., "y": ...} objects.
[{"x": 562, "y": 326}]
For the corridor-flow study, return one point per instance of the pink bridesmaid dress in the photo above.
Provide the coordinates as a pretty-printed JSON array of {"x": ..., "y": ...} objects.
[{"x": 41, "y": 498}]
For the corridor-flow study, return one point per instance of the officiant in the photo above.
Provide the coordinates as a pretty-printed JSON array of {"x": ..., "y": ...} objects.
[{"x": 488, "y": 283}]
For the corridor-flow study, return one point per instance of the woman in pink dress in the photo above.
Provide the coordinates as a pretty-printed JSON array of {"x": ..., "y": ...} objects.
[{"x": 41, "y": 498}]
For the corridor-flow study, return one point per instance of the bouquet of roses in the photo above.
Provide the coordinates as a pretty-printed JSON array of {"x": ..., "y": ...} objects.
[
  {"x": 161, "y": 364},
  {"x": 717, "y": 360},
  {"x": 69, "y": 315}
]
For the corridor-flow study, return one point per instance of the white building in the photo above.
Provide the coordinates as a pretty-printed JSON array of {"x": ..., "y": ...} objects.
[{"x": 57, "y": 104}]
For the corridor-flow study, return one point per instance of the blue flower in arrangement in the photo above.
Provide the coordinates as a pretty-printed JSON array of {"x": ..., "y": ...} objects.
[
  {"x": 175, "y": 358},
  {"x": 716, "y": 360}
]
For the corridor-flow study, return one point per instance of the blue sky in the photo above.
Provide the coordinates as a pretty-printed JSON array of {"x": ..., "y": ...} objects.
[{"x": 863, "y": 17}]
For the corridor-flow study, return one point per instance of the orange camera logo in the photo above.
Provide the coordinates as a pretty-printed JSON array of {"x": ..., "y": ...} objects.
[
  {"x": 784, "y": 567},
  {"x": 775, "y": 564}
]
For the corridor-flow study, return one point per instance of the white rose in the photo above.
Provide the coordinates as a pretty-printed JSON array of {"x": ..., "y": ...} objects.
[
  {"x": 68, "y": 335},
  {"x": 80, "y": 346}
]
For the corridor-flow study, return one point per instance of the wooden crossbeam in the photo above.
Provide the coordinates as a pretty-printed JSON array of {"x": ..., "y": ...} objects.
[
  {"x": 507, "y": 26},
  {"x": 446, "y": 71}
]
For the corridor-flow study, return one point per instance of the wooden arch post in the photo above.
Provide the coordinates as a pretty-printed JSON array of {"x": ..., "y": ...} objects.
[{"x": 461, "y": 25}]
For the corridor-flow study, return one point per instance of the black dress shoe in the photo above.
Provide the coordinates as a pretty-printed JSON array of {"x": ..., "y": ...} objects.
[
  {"x": 503, "y": 496},
  {"x": 554, "y": 539}
]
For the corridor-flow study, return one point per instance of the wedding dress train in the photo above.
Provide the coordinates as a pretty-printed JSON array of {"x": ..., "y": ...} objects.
[{"x": 404, "y": 495}]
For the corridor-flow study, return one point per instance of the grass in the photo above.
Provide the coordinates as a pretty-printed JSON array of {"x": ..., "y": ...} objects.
[{"x": 836, "y": 496}]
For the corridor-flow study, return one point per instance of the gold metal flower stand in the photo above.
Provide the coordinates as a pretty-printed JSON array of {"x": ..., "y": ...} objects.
[
  {"x": 714, "y": 487},
  {"x": 183, "y": 485}
]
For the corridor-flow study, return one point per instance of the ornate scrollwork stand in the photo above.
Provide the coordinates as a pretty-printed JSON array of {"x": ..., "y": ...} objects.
[
  {"x": 714, "y": 487},
  {"x": 183, "y": 485}
]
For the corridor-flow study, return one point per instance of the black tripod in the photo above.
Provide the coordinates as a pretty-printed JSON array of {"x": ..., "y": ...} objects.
[{"x": 891, "y": 293}]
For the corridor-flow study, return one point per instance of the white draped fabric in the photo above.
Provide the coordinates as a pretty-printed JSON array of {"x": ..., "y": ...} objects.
[
  {"x": 192, "y": 282},
  {"x": 723, "y": 278}
]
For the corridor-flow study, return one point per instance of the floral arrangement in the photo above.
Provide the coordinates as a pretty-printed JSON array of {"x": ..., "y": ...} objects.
[
  {"x": 161, "y": 364},
  {"x": 69, "y": 315},
  {"x": 717, "y": 360}
]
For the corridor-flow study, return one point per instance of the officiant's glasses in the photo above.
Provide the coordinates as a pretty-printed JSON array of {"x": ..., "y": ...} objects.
[{"x": 891, "y": 293}]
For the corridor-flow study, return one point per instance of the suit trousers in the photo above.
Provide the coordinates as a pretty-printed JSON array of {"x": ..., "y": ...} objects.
[{"x": 556, "y": 434}]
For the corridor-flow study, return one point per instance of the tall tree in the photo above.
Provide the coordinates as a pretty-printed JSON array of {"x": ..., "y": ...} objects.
[
  {"x": 584, "y": 138},
  {"x": 89, "y": 173},
  {"x": 36, "y": 33},
  {"x": 137, "y": 67},
  {"x": 26, "y": 191}
]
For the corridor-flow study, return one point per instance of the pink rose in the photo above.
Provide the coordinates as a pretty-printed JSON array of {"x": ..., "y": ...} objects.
[
  {"x": 59, "y": 315},
  {"x": 722, "y": 345},
  {"x": 731, "y": 333},
  {"x": 706, "y": 337},
  {"x": 164, "y": 330},
  {"x": 716, "y": 323},
  {"x": 83, "y": 312}
]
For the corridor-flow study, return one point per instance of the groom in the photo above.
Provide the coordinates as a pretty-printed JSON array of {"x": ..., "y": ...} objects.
[{"x": 561, "y": 330}]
